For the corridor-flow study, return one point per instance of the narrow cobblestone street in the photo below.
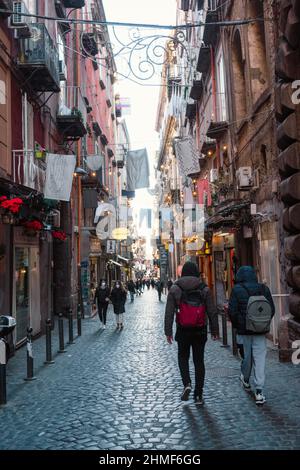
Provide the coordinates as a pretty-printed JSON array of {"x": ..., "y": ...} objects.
[{"x": 120, "y": 390}]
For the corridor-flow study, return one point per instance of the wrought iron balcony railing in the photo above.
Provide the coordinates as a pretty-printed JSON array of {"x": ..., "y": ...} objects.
[
  {"x": 72, "y": 113},
  {"x": 6, "y": 5},
  {"x": 38, "y": 59},
  {"x": 29, "y": 170}
]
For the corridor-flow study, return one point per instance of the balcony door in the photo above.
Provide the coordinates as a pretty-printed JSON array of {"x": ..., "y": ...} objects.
[{"x": 5, "y": 111}]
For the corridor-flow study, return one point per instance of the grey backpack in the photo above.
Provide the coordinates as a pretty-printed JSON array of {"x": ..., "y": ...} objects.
[{"x": 258, "y": 313}]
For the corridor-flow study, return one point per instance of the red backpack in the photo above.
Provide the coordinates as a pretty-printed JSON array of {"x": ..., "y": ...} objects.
[{"x": 191, "y": 310}]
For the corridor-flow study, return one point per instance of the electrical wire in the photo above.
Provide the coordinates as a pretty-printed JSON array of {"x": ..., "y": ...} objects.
[{"x": 138, "y": 25}]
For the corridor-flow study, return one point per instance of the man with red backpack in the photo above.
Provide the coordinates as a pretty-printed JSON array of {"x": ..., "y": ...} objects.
[{"x": 191, "y": 300}]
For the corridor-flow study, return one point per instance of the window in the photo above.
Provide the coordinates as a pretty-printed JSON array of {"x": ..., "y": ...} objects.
[
  {"x": 257, "y": 50},
  {"x": 239, "y": 81},
  {"x": 222, "y": 111}
]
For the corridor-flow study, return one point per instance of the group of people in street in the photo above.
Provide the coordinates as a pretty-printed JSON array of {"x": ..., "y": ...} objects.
[
  {"x": 190, "y": 302},
  {"x": 251, "y": 309},
  {"x": 117, "y": 296}
]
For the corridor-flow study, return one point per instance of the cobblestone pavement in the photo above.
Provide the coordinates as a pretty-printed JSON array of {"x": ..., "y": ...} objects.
[{"x": 120, "y": 390}]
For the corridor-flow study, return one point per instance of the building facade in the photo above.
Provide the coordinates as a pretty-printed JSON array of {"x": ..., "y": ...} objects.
[
  {"x": 56, "y": 97},
  {"x": 227, "y": 103}
]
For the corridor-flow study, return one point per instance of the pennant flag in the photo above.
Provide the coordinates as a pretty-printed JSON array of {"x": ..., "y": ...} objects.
[
  {"x": 59, "y": 176},
  {"x": 187, "y": 155},
  {"x": 137, "y": 170}
]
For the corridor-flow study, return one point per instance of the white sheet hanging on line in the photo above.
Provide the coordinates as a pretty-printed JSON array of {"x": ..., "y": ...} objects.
[
  {"x": 187, "y": 155},
  {"x": 59, "y": 176},
  {"x": 137, "y": 166}
]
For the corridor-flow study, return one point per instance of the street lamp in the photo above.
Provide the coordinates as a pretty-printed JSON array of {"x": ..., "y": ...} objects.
[{"x": 79, "y": 171}]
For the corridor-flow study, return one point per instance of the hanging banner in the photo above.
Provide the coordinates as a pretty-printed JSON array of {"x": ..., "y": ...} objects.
[
  {"x": 187, "y": 155},
  {"x": 95, "y": 162},
  {"x": 137, "y": 166},
  {"x": 59, "y": 176}
]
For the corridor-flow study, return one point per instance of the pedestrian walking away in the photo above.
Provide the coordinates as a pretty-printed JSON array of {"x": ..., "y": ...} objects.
[
  {"x": 159, "y": 287},
  {"x": 251, "y": 309},
  {"x": 102, "y": 296},
  {"x": 131, "y": 289},
  {"x": 118, "y": 297},
  {"x": 191, "y": 301},
  {"x": 169, "y": 284}
]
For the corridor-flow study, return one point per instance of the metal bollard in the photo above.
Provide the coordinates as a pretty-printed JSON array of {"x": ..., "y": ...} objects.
[
  {"x": 30, "y": 375},
  {"x": 61, "y": 334},
  {"x": 48, "y": 343},
  {"x": 71, "y": 337},
  {"x": 234, "y": 343},
  {"x": 224, "y": 331},
  {"x": 78, "y": 321},
  {"x": 2, "y": 372}
]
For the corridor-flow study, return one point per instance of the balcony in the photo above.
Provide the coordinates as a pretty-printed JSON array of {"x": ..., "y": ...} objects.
[
  {"x": 89, "y": 44},
  {"x": 72, "y": 115},
  {"x": 28, "y": 170},
  {"x": 38, "y": 59},
  {"x": 94, "y": 166},
  {"x": 218, "y": 123},
  {"x": 196, "y": 90},
  {"x": 61, "y": 13},
  {"x": 6, "y": 5},
  {"x": 73, "y": 3}
]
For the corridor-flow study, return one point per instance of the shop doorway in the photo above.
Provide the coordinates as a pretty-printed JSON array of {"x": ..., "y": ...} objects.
[{"x": 26, "y": 291}]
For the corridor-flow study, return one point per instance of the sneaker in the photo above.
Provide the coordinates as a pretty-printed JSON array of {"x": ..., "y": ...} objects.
[
  {"x": 260, "y": 399},
  {"x": 246, "y": 384},
  {"x": 186, "y": 393},
  {"x": 104, "y": 327},
  {"x": 198, "y": 400}
]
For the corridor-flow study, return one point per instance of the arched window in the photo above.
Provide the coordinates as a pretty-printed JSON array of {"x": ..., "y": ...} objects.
[
  {"x": 257, "y": 50},
  {"x": 239, "y": 81}
]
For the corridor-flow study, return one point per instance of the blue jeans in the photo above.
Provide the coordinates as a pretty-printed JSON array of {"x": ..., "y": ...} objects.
[
  {"x": 255, "y": 350},
  {"x": 131, "y": 296}
]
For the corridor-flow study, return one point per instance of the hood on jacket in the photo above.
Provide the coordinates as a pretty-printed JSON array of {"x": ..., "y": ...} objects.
[
  {"x": 246, "y": 274},
  {"x": 189, "y": 283}
]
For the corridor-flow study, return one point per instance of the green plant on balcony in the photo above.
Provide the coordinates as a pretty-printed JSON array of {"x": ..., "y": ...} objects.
[
  {"x": 88, "y": 129},
  {"x": 77, "y": 112}
]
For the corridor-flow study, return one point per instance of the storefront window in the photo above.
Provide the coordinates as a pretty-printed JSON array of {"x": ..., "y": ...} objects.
[{"x": 22, "y": 291}]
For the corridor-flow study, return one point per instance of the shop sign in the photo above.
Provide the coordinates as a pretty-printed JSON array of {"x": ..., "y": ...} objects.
[
  {"x": 95, "y": 246},
  {"x": 229, "y": 241},
  {"x": 20, "y": 238}
]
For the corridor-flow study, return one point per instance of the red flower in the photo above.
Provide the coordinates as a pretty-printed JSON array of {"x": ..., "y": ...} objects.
[
  {"x": 34, "y": 225},
  {"x": 13, "y": 205},
  {"x": 59, "y": 235}
]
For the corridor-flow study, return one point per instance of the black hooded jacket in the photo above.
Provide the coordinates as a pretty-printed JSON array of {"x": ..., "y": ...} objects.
[
  {"x": 173, "y": 299},
  {"x": 238, "y": 301}
]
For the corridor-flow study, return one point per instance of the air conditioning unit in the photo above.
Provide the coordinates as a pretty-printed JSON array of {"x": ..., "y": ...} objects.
[
  {"x": 17, "y": 19},
  {"x": 213, "y": 175},
  {"x": 62, "y": 70},
  {"x": 244, "y": 177}
]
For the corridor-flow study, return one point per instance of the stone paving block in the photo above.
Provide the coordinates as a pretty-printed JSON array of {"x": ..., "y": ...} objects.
[{"x": 122, "y": 391}]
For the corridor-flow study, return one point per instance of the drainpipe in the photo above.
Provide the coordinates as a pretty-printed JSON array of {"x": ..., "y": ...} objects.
[
  {"x": 26, "y": 160},
  {"x": 77, "y": 76}
]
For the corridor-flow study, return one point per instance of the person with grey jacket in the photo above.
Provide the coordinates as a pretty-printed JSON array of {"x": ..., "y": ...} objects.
[{"x": 191, "y": 336}]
